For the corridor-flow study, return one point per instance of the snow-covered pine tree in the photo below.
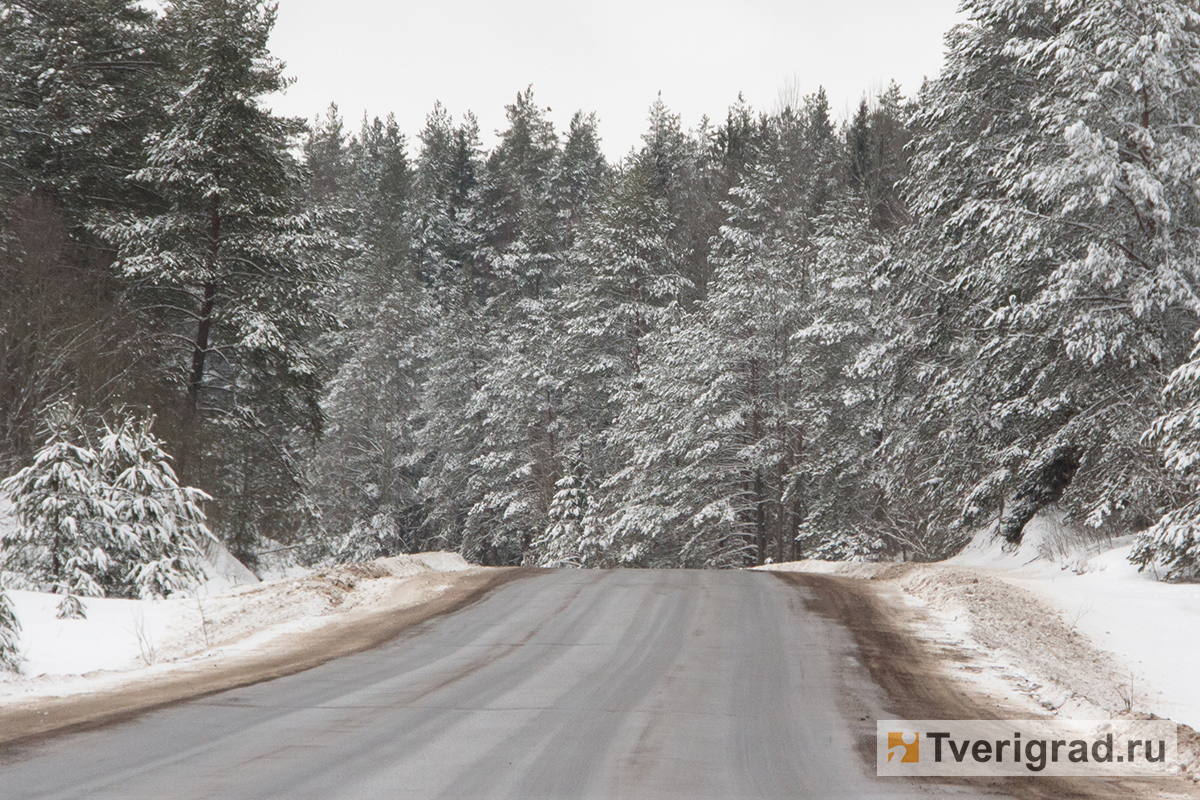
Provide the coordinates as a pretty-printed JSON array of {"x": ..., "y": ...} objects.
[
  {"x": 446, "y": 238},
  {"x": 716, "y": 434},
  {"x": 1124, "y": 295},
  {"x": 449, "y": 432},
  {"x": 245, "y": 268},
  {"x": 674, "y": 497},
  {"x": 624, "y": 282},
  {"x": 159, "y": 523},
  {"x": 456, "y": 341},
  {"x": 64, "y": 517},
  {"x": 1055, "y": 185},
  {"x": 575, "y": 535},
  {"x": 103, "y": 515},
  {"x": 671, "y": 164},
  {"x": 854, "y": 502},
  {"x": 861, "y": 484},
  {"x": 325, "y": 156},
  {"x": 10, "y": 631},
  {"x": 581, "y": 176},
  {"x": 516, "y": 212},
  {"x": 623, "y": 296},
  {"x": 366, "y": 487},
  {"x": 936, "y": 442},
  {"x": 521, "y": 395}
]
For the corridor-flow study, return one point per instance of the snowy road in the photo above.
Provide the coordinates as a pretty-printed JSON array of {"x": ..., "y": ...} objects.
[{"x": 639, "y": 684}]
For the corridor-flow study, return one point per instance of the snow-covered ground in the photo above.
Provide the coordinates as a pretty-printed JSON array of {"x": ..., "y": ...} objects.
[
  {"x": 1058, "y": 625},
  {"x": 232, "y": 613},
  {"x": 1151, "y": 628}
]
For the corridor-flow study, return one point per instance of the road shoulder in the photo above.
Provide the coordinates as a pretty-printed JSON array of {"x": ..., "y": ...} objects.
[
  {"x": 408, "y": 603},
  {"x": 921, "y": 679}
]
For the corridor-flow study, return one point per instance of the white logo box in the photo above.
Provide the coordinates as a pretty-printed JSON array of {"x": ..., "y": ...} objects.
[{"x": 1025, "y": 747}]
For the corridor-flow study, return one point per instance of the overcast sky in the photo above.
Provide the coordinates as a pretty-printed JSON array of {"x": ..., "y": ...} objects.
[{"x": 611, "y": 57}]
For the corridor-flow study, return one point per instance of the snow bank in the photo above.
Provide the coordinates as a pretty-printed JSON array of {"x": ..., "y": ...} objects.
[
  {"x": 1151, "y": 628},
  {"x": 234, "y": 612},
  {"x": 223, "y": 572},
  {"x": 117, "y": 634},
  {"x": 1062, "y": 622}
]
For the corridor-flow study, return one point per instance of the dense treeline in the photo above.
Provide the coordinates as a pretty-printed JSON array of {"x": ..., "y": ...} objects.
[{"x": 773, "y": 336}]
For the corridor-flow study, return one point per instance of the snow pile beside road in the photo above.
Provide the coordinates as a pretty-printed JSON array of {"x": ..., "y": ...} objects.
[
  {"x": 1151, "y": 628},
  {"x": 124, "y": 635},
  {"x": 1059, "y": 625}
]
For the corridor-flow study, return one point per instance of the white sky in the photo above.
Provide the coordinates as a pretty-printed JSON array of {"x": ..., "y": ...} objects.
[{"x": 613, "y": 57}]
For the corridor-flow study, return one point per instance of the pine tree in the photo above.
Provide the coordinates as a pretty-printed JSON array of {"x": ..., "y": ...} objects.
[
  {"x": 446, "y": 236},
  {"x": 103, "y": 515},
  {"x": 857, "y": 497},
  {"x": 233, "y": 254},
  {"x": 581, "y": 177},
  {"x": 64, "y": 531},
  {"x": 1052, "y": 192},
  {"x": 716, "y": 438},
  {"x": 10, "y": 630},
  {"x": 575, "y": 534},
  {"x": 522, "y": 388},
  {"x": 325, "y": 156},
  {"x": 230, "y": 241},
  {"x": 160, "y": 523},
  {"x": 447, "y": 418},
  {"x": 522, "y": 235},
  {"x": 671, "y": 164},
  {"x": 674, "y": 498},
  {"x": 367, "y": 491},
  {"x": 449, "y": 435}
]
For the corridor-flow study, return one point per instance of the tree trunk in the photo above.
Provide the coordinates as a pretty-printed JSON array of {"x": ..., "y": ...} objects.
[
  {"x": 782, "y": 515},
  {"x": 760, "y": 520},
  {"x": 191, "y": 418}
]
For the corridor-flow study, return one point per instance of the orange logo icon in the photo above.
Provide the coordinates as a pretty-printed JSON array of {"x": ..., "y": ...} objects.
[{"x": 905, "y": 745}]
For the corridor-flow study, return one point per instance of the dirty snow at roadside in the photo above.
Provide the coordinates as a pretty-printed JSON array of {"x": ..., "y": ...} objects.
[
  {"x": 1073, "y": 628},
  {"x": 232, "y": 612},
  {"x": 1152, "y": 628}
]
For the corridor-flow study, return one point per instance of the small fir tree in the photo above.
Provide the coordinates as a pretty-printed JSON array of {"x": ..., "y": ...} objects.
[
  {"x": 62, "y": 514},
  {"x": 107, "y": 520},
  {"x": 10, "y": 628},
  {"x": 160, "y": 525}
]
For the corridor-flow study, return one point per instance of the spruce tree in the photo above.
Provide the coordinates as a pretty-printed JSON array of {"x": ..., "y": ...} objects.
[
  {"x": 10, "y": 631},
  {"x": 64, "y": 533},
  {"x": 159, "y": 525}
]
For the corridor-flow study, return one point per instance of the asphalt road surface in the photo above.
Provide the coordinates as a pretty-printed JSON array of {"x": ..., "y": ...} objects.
[{"x": 566, "y": 684}]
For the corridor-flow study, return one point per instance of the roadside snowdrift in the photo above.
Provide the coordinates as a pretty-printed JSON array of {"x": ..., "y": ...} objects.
[
  {"x": 230, "y": 614},
  {"x": 1055, "y": 625}
]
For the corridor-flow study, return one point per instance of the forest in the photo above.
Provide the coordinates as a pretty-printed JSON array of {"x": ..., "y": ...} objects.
[{"x": 776, "y": 335}]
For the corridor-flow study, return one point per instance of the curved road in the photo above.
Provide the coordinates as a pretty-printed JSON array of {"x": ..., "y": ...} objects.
[{"x": 567, "y": 684}]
